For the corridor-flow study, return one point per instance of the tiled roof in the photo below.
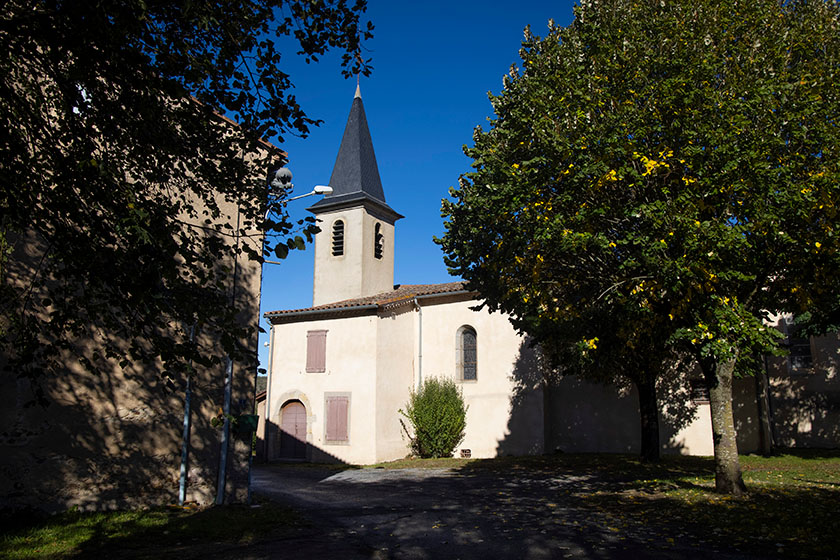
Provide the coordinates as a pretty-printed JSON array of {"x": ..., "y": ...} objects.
[{"x": 402, "y": 294}]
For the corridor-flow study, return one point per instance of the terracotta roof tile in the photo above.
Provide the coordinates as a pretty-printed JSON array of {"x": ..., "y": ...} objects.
[{"x": 403, "y": 293}]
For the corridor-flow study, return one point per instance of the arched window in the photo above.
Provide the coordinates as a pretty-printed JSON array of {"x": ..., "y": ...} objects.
[
  {"x": 467, "y": 358},
  {"x": 378, "y": 241},
  {"x": 338, "y": 238}
]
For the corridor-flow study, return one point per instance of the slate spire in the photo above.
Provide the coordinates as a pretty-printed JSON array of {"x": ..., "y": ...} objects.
[{"x": 355, "y": 177}]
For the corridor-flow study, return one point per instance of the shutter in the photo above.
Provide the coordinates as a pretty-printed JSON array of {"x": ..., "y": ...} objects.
[
  {"x": 338, "y": 239},
  {"x": 316, "y": 351},
  {"x": 337, "y": 409},
  {"x": 378, "y": 241}
]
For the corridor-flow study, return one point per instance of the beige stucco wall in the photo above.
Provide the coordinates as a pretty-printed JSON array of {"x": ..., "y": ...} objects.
[
  {"x": 360, "y": 273},
  {"x": 591, "y": 417},
  {"x": 261, "y": 443},
  {"x": 505, "y": 414},
  {"x": 350, "y": 368},
  {"x": 112, "y": 438},
  {"x": 376, "y": 359},
  {"x": 805, "y": 406},
  {"x": 512, "y": 408},
  {"x": 395, "y": 367}
]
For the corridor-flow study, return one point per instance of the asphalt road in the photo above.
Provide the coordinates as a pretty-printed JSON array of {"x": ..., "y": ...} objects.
[{"x": 440, "y": 513}]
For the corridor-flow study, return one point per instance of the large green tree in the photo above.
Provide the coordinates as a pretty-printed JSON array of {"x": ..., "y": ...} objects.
[
  {"x": 661, "y": 174},
  {"x": 119, "y": 170}
]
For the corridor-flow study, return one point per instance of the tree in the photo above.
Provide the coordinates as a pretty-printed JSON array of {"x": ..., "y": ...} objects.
[
  {"x": 438, "y": 418},
  {"x": 118, "y": 165},
  {"x": 663, "y": 172},
  {"x": 596, "y": 344}
]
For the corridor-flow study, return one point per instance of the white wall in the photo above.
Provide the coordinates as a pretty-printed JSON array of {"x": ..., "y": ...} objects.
[
  {"x": 396, "y": 367},
  {"x": 350, "y": 368},
  {"x": 375, "y": 359},
  {"x": 505, "y": 414},
  {"x": 356, "y": 273}
]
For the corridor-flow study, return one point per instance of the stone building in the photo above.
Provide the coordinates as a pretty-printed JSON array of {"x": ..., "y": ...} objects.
[
  {"x": 112, "y": 436},
  {"x": 340, "y": 370}
]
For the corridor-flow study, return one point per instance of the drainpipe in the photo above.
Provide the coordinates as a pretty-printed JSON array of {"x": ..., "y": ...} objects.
[
  {"x": 185, "y": 444},
  {"x": 266, "y": 429},
  {"x": 419, "y": 344},
  {"x": 220, "y": 488}
]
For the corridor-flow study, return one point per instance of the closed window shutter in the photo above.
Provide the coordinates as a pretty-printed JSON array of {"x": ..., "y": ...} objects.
[
  {"x": 337, "y": 408},
  {"x": 316, "y": 351}
]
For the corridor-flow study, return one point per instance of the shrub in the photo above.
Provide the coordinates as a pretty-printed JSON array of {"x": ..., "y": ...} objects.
[{"x": 438, "y": 418}]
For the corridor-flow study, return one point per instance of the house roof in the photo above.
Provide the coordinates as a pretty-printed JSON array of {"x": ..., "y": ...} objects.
[
  {"x": 400, "y": 295},
  {"x": 355, "y": 177}
]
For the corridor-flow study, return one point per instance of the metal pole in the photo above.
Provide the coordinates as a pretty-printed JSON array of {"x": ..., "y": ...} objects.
[
  {"x": 185, "y": 443},
  {"x": 220, "y": 489}
]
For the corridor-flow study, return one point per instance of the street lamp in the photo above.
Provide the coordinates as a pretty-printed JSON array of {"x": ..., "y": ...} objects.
[
  {"x": 319, "y": 189},
  {"x": 283, "y": 181}
]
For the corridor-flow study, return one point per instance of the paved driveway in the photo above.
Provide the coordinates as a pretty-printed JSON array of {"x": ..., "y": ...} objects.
[{"x": 440, "y": 513}]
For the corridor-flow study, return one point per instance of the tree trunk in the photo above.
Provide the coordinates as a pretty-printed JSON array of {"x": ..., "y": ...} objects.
[
  {"x": 762, "y": 395},
  {"x": 728, "y": 478},
  {"x": 649, "y": 414}
]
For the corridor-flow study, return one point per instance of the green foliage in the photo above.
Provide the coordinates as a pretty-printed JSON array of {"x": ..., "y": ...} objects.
[
  {"x": 671, "y": 164},
  {"x": 659, "y": 175},
  {"x": 124, "y": 193},
  {"x": 438, "y": 418}
]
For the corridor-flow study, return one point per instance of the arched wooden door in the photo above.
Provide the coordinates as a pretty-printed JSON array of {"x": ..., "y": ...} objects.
[{"x": 292, "y": 431}]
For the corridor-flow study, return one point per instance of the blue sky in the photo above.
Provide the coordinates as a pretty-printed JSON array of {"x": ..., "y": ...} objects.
[{"x": 434, "y": 63}]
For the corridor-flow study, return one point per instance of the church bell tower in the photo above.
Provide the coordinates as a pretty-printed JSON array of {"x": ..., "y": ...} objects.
[{"x": 354, "y": 251}]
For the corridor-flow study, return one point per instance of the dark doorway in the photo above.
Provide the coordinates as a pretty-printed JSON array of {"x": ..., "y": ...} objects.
[{"x": 293, "y": 431}]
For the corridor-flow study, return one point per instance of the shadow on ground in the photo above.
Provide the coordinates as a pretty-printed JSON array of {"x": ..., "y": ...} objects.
[{"x": 580, "y": 507}]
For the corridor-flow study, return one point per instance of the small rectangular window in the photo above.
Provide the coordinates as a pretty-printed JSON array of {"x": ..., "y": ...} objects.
[
  {"x": 316, "y": 351},
  {"x": 801, "y": 359},
  {"x": 338, "y": 419},
  {"x": 699, "y": 391}
]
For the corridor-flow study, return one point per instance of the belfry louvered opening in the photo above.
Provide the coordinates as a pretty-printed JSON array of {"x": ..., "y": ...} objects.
[
  {"x": 338, "y": 238},
  {"x": 378, "y": 243}
]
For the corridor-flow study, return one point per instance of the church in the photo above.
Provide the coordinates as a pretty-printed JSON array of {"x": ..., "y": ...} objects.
[{"x": 341, "y": 370}]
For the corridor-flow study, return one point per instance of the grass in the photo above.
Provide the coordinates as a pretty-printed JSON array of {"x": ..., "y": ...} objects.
[
  {"x": 160, "y": 532},
  {"x": 792, "y": 506},
  {"x": 792, "y": 509},
  {"x": 415, "y": 463}
]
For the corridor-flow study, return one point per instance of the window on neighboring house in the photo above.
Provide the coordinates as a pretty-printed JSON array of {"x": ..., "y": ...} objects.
[
  {"x": 467, "y": 357},
  {"x": 798, "y": 344},
  {"x": 337, "y": 407},
  {"x": 378, "y": 241},
  {"x": 316, "y": 351},
  {"x": 338, "y": 238},
  {"x": 699, "y": 391}
]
